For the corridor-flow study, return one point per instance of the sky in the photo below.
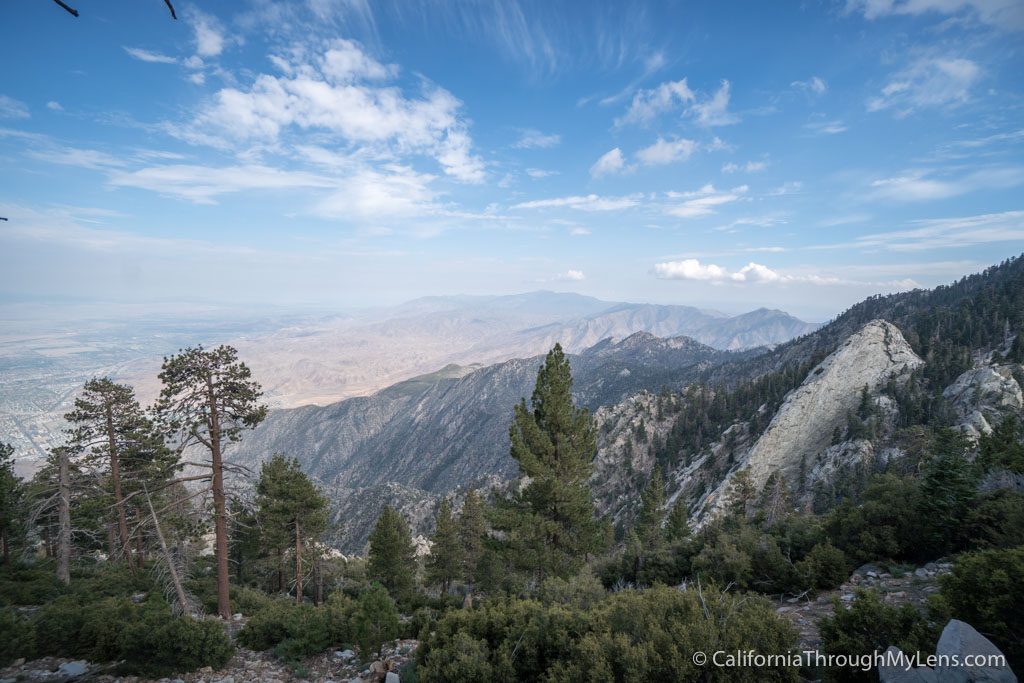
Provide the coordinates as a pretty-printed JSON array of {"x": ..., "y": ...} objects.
[{"x": 344, "y": 153}]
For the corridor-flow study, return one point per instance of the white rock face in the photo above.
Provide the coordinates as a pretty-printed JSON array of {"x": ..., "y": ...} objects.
[
  {"x": 982, "y": 396},
  {"x": 804, "y": 425}
]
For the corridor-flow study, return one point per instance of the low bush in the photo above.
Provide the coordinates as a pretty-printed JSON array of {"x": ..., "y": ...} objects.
[
  {"x": 159, "y": 645},
  {"x": 29, "y": 586},
  {"x": 986, "y": 589},
  {"x": 627, "y": 636},
  {"x": 869, "y": 625},
  {"x": 824, "y": 567},
  {"x": 297, "y": 631},
  {"x": 17, "y": 637}
]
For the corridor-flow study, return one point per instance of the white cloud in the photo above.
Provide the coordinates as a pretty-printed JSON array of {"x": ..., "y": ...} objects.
[
  {"x": 590, "y": 202},
  {"x": 11, "y": 108},
  {"x": 372, "y": 194},
  {"x": 149, "y": 56},
  {"x": 920, "y": 185},
  {"x": 610, "y": 162},
  {"x": 579, "y": 231},
  {"x": 715, "y": 110},
  {"x": 209, "y": 37},
  {"x": 338, "y": 93},
  {"x": 53, "y": 105},
  {"x": 948, "y": 233},
  {"x": 815, "y": 84},
  {"x": 928, "y": 82},
  {"x": 826, "y": 127},
  {"x": 534, "y": 139},
  {"x": 73, "y": 156},
  {"x": 649, "y": 104},
  {"x": 540, "y": 173},
  {"x": 571, "y": 276},
  {"x": 203, "y": 184},
  {"x": 666, "y": 151},
  {"x": 702, "y": 202},
  {"x": 1004, "y": 14},
  {"x": 749, "y": 167},
  {"x": 752, "y": 273}
]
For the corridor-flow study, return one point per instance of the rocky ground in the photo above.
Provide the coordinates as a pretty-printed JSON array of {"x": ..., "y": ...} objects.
[
  {"x": 245, "y": 667},
  {"x": 912, "y": 586}
]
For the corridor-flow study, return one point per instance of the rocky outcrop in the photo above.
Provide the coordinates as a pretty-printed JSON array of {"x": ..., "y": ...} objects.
[
  {"x": 982, "y": 396},
  {"x": 806, "y": 422},
  {"x": 959, "y": 643}
]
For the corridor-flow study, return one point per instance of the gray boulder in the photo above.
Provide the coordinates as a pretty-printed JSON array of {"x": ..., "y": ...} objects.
[
  {"x": 392, "y": 677},
  {"x": 960, "y": 639},
  {"x": 73, "y": 669},
  {"x": 897, "y": 672}
]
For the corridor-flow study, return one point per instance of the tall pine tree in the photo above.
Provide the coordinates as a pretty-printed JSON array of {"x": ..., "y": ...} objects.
[
  {"x": 10, "y": 500},
  {"x": 472, "y": 528},
  {"x": 392, "y": 559},
  {"x": 445, "y": 561},
  {"x": 290, "y": 506},
  {"x": 208, "y": 399},
  {"x": 550, "y": 523}
]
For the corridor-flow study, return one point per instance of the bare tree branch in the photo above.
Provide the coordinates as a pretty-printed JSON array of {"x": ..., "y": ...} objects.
[{"x": 70, "y": 10}]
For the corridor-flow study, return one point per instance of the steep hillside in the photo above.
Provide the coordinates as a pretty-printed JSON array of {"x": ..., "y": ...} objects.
[{"x": 450, "y": 429}]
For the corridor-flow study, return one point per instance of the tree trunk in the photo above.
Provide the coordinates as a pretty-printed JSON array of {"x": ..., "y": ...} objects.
[
  {"x": 280, "y": 570},
  {"x": 298, "y": 562},
  {"x": 64, "y": 521},
  {"x": 220, "y": 526},
  {"x": 115, "y": 477},
  {"x": 139, "y": 554},
  {"x": 318, "y": 568},
  {"x": 111, "y": 543},
  {"x": 171, "y": 570},
  {"x": 7, "y": 551}
]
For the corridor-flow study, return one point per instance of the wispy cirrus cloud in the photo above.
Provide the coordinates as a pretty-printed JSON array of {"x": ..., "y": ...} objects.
[
  {"x": 531, "y": 138},
  {"x": 1003, "y": 14},
  {"x": 945, "y": 233},
  {"x": 929, "y": 81},
  {"x": 702, "y": 202},
  {"x": 11, "y": 108},
  {"x": 590, "y": 202},
  {"x": 927, "y": 185},
  {"x": 149, "y": 56},
  {"x": 647, "y": 105},
  {"x": 667, "y": 151}
]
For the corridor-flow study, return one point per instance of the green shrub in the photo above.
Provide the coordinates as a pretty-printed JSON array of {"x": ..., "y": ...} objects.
[
  {"x": 986, "y": 589},
  {"x": 375, "y": 620},
  {"x": 58, "y": 627},
  {"x": 160, "y": 644},
  {"x": 869, "y": 625},
  {"x": 628, "y": 636},
  {"x": 28, "y": 586},
  {"x": 17, "y": 637},
  {"x": 147, "y": 639},
  {"x": 824, "y": 567},
  {"x": 580, "y": 591},
  {"x": 996, "y": 521},
  {"x": 297, "y": 631}
]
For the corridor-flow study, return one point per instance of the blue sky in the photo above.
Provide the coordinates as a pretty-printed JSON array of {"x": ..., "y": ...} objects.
[{"x": 338, "y": 152}]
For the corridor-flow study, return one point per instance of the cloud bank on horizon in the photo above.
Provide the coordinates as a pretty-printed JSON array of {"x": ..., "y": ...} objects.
[{"x": 342, "y": 152}]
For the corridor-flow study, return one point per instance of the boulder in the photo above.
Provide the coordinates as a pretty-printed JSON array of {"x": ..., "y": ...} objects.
[
  {"x": 73, "y": 669},
  {"x": 895, "y": 670},
  {"x": 392, "y": 677},
  {"x": 960, "y": 639}
]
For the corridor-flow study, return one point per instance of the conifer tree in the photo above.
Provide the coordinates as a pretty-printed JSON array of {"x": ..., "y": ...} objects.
[
  {"x": 947, "y": 490},
  {"x": 290, "y": 506},
  {"x": 550, "y": 523},
  {"x": 445, "y": 561},
  {"x": 110, "y": 430},
  {"x": 10, "y": 500},
  {"x": 648, "y": 523},
  {"x": 677, "y": 528},
  {"x": 392, "y": 557},
  {"x": 209, "y": 398},
  {"x": 472, "y": 528},
  {"x": 375, "y": 621}
]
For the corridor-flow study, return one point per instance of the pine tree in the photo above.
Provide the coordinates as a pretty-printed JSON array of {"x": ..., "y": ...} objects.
[
  {"x": 550, "y": 523},
  {"x": 209, "y": 398},
  {"x": 677, "y": 528},
  {"x": 445, "y": 561},
  {"x": 375, "y": 621},
  {"x": 110, "y": 429},
  {"x": 947, "y": 490},
  {"x": 290, "y": 506},
  {"x": 472, "y": 528},
  {"x": 392, "y": 557},
  {"x": 648, "y": 523},
  {"x": 10, "y": 500}
]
